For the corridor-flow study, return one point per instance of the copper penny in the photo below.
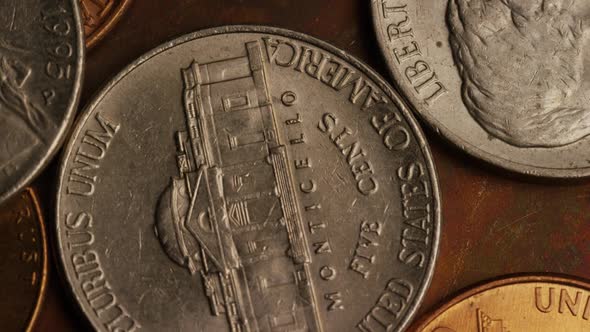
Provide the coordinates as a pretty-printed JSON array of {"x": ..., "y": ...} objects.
[
  {"x": 531, "y": 303},
  {"x": 23, "y": 263},
  {"x": 100, "y": 16}
]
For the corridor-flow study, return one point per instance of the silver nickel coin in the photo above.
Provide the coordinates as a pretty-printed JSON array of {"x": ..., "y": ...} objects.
[
  {"x": 248, "y": 179},
  {"x": 41, "y": 59},
  {"x": 503, "y": 80}
]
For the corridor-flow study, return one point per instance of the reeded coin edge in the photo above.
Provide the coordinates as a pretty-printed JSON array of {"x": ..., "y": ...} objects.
[
  {"x": 45, "y": 269},
  {"x": 108, "y": 25},
  {"x": 68, "y": 119},
  {"x": 482, "y": 287},
  {"x": 365, "y": 69},
  {"x": 454, "y": 139}
]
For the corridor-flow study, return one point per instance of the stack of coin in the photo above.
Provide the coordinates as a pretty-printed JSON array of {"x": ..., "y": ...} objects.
[{"x": 255, "y": 178}]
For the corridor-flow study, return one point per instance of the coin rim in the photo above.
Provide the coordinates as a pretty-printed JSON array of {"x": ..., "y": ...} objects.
[
  {"x": 455, "y": 139},
  {"x": 231, "y": 29},
  {"x": 551, "y": 278},
  {"x": 95, "y": 37},
  {"x": 67, "y": 119},
  {"x": 45, "y": 268}
]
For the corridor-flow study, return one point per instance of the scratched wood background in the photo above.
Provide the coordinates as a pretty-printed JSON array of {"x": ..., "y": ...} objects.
[{"x": 494, "y": 223}]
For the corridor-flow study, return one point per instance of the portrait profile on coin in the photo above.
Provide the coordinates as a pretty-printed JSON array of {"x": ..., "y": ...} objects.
[
  {"x": 22, "y": 120},
  {"x": 13, "y": 99},
  {"x": 520, "y": 61},
  {"x": 41, "y": 64}
]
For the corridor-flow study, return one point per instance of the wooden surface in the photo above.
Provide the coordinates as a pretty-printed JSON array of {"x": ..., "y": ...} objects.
[{"x": 494, "y": 223}]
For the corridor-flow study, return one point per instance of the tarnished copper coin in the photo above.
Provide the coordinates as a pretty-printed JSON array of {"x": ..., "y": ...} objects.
[
  {"x": 532, "y": 303},
  {"x": 100, "y": 16},
  {"x": 23, "y": 262}
]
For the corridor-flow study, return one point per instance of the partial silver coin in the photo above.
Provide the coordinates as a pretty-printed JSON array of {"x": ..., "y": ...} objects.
[
  {"x": 248, "y": 179},
  {"x": 41, "y": 59},
  {"x": 505, "y": 81}
]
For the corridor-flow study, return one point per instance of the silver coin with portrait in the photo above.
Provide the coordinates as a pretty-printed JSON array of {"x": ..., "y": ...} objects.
[
  {"x": 41, "y": 57},
  {"x": 505, "y": 80}
]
